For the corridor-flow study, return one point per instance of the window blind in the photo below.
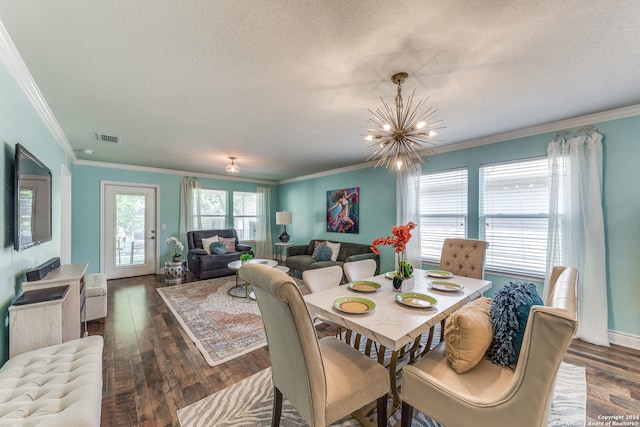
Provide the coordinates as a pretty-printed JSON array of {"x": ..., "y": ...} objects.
[
  {"x": 245, "y": 207},
  {"x": 443, "y": 210},
  {"x": 213, "y": 209},
  {"x": 514, "y": 215}
]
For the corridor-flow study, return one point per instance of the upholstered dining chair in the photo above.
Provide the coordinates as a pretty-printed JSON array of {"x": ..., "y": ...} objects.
[
  {"x": 359, "y": 270},
  {"x": 318, "y": 279},
  {"x": 324, "y": 379},
  {"x": 489, "y": 394},
  {"x": 464, "y": 257}
]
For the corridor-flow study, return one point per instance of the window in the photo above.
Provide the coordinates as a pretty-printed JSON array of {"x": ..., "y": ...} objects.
[
  {"x": 443, "y": 210},
  {"x": 514, "y": 214},
  {"x": 213, "y": 209},
  {"x": 245, "y": 212}
]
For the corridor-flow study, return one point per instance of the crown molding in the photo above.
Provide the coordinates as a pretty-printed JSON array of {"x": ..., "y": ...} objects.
[
  {"x": 329, "y": 172},
  {"x": 148, "y": 169},
  {"x": 18, "y": 69},
  {"x": 574, "y": 122}
]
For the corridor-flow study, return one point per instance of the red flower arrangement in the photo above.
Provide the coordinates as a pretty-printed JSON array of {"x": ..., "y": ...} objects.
[{"x": 401, "y": 236}]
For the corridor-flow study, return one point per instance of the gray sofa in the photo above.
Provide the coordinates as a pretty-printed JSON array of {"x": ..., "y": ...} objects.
[
  {"x": 204, "y": 265},
  {"x": 299, "y": 257}
]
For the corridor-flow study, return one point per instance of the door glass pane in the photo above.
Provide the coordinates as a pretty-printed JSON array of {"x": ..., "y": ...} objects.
[{"x": 130, "y": 230}]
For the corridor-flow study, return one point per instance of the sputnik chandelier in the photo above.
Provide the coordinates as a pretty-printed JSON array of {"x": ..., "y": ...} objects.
[{"x": 399, "y": 137}]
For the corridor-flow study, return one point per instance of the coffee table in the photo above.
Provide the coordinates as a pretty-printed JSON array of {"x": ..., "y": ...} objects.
[{"x": 245, "y": 290}]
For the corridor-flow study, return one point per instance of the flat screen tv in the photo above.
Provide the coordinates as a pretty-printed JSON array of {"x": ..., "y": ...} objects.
[{"x": 32, "y": 200}]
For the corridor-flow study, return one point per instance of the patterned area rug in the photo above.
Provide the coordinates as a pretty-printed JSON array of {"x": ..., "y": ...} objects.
[
  {"x": 221, "y": 326},
  {"x": 248, "y": 403}
]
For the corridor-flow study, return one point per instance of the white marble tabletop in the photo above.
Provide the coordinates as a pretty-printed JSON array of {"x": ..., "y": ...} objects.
[{"x": 391, "y": 323}]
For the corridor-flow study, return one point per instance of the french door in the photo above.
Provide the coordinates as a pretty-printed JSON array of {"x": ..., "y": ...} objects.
[{"x": 129, "y": 233}]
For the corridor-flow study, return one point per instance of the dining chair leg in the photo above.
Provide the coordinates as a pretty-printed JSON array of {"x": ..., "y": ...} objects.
[
  {"x": 407, "y": 415},
  {"x": 382, "y": 411},
  {"x": 277, "y": 407}
]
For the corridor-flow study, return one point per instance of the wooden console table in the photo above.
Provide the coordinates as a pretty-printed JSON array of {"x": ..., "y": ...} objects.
[
  {"x": 73, "y": 305},
  {"x": 36, "y": 319}
]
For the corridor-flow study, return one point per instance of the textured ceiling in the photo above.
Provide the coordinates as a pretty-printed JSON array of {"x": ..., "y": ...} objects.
[{"x": 285, "y": 85}]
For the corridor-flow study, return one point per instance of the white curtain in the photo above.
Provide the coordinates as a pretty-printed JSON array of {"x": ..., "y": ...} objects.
[
  {"x": 408, "y": 209},
  {"x": 189, "y": 207},
  {"x": 264, "y": 247},
  {"x": 576, "y": 228}
]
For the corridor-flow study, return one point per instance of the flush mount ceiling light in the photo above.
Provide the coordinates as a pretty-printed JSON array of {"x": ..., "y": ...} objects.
[
  {"x": 400, "y": 137},
  {"x": 232, "y": 167}
]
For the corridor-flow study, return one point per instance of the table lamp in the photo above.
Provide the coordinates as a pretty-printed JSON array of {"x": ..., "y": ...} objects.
[{"x": 283, "y": 218}]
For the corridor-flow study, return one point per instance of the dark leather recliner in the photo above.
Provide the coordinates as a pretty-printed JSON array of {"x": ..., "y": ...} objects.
[{"x": 206, "y": 266}]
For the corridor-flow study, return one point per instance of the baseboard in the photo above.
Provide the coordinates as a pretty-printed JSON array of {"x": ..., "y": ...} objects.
[{"x": 625, "y": 340}]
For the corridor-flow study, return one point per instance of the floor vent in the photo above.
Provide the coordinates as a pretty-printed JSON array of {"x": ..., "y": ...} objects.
[{"x": 107, "y": 138}]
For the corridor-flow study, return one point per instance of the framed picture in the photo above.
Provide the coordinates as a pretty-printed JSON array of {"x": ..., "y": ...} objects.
[{"x": 343, "y": 210}]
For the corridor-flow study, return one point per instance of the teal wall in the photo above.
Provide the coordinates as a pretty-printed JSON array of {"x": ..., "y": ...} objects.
[
  {"x": 621, "y": 205},
  {"x": 20, "y": 122},
  {"x": 85, "y": 241}
]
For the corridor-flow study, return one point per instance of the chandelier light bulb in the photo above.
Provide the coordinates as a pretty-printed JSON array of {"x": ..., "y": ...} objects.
[
  {"x": 386, "y": 126},
  {"x": 369, "y": 138},
  {"x": 420, "y": 125},
  {"x": 399, "y": 164}
]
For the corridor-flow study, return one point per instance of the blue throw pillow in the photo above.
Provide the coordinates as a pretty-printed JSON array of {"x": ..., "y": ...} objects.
[
  {"x": 509, "y": 315},
  {"x": 324, "y": 253},
  {"x": 218, "y": 248}
]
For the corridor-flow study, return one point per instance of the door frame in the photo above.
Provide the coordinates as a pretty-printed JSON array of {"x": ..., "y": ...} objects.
[{"x": 156, "y": 187}]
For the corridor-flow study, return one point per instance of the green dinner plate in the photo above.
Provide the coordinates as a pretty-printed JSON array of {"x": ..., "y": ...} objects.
[
  {"x": 354, "y": 305},
  {"x": 439, "y": 273},
  {"x": 364, "y": 286},
  {"x": 442, "y": 285},
  {"x": 416, "y": 300}
]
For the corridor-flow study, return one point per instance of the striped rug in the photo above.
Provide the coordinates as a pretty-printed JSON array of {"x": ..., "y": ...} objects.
[{"x": 249, "y": 404}]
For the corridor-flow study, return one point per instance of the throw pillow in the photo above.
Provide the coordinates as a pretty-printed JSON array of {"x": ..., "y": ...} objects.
[
  {"x": 206, "y": 243},
  {"x": 315, "y": 249},
  {"x": 468, "y": 333},
  {"x": 218, "y": 248},
  {"x": 230, "y": 243},
  {"x": 335, "y": 250},
  {"x": 509, "y": 315},
  {"x": 323, "y": 253}
]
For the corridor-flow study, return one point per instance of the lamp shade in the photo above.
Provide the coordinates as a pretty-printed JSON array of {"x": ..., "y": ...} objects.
[{"x": 283, "y": 218}]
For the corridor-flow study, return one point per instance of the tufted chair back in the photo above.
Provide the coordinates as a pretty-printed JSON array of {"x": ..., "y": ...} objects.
[{"x": 464, "y": 257}]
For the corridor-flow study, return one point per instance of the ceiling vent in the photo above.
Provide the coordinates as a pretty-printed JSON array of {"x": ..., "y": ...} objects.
[{"x": 107, "y": 138}]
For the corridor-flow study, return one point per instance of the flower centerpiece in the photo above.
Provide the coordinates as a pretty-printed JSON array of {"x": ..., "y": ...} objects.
[
  {"x": 177, "y": 248},
  {"x": 401, "y": 235},
  {"x": 245, "y": 257}
]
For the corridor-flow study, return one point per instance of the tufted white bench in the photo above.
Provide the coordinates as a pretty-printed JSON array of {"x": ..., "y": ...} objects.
[
  {"x": 60, "y": 385},
  {"x": 96, "y": 295}
]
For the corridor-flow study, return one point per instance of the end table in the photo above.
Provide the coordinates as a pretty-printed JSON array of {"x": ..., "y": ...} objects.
[
  {"x": 281, "y": 251},
  {"x": 174, "y": 272}
]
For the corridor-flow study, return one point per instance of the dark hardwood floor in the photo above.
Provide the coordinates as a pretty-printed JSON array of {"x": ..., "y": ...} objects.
[{"x": 151, "y": 368}]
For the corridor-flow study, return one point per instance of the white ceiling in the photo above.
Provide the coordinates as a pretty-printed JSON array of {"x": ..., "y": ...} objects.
[{"x": 285, "y": 85}]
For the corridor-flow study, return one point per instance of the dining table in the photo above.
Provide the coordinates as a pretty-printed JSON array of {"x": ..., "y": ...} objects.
[{"x": 395, "y": 319}]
